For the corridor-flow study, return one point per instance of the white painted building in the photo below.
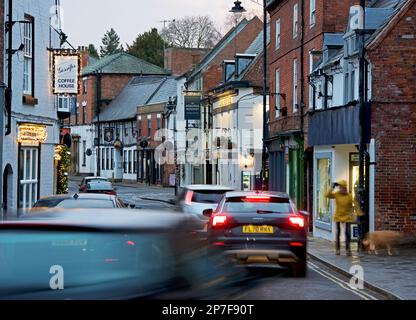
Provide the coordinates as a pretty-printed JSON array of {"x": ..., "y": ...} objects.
[{"x": 28, "y": 165}]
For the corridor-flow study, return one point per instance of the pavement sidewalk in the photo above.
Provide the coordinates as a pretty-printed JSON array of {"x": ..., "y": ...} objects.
[{"x": 394, "y": 275}]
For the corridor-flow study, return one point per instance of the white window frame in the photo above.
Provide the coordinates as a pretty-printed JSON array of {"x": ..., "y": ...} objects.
[
  {"x": 295, "y": 20},
  {"x": 311, "y": 95},
  {"x": 312, "y": 13},
  {"x": 278, "y": 33},
  {"x": 28, "y": 55},
  {"x": 295, "y": 85},
  {"x": 28, "y": 183},
  {"x": 277, "y": 75}
]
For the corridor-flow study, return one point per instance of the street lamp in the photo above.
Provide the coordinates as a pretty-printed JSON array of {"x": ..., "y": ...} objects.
[{"x": 238, "y": 11}]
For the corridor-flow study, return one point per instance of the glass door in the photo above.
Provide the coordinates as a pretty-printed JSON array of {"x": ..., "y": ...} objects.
[{"x": 28, "y": 177}]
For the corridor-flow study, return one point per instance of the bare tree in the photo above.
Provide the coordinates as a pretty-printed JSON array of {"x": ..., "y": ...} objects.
[{"x": 191, "y": 32}]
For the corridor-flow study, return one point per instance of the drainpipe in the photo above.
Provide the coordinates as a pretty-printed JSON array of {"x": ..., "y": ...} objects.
[
  {"x": 301, "y": 141},
  {"x": 98, "y": 107},
  {"x": 2, "y": 89}
]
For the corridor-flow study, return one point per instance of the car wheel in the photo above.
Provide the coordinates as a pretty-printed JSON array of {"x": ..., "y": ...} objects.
[{"x": 299, "y": 269}]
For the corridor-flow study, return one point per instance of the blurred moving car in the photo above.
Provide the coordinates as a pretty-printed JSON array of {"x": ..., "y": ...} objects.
[
  {"x": 86, "y": 180},
  {"x": 91, "y": 254},
  {"x": 195, "y": 199},
  {"x": 80, "y": 201},
  {"x": 260, "y": 228}
]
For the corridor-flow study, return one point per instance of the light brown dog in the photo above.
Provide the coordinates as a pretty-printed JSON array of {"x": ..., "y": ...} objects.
[{"x": 381, "y": 239}]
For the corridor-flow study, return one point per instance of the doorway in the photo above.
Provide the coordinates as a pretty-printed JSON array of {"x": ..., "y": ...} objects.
[{"x": 7, "y": 188}]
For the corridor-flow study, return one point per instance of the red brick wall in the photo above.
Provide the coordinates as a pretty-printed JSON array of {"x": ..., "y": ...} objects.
[
  {"x": 394, "y": 124},
  {"x": 181, "y": 60},
  {"x": 111, "y": 86},
  {"x": 212, "y": 76}
]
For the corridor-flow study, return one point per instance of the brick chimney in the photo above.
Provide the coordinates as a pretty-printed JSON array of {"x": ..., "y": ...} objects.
[{"x": 182, "y": 60}]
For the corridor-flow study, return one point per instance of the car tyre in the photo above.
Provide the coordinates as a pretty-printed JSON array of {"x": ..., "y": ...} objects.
[{"x": 299, "y": 270}]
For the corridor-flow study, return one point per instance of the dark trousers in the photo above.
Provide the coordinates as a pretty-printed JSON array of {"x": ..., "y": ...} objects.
[{"x": 347, "y": 236}]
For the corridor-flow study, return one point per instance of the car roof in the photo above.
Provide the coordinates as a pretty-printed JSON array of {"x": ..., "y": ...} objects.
[
  {"x": 208, "y": 187},
  {"x": 256, "y": 193},
  {"x": 91, "y": 196},
  {"x": 104, "y": 219},
  {"x": 89, "y": 178}
]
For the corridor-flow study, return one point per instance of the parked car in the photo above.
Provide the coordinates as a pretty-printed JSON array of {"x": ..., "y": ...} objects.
[
  {"x": 260, "y": 228},
  {"x": 195, "y": 199},
  {"x": 86, "y": 180},
  {"x": 78, "y": 201},
  {"x": 104, "y": 187}
]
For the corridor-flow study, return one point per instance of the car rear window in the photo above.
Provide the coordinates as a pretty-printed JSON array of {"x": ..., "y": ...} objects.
[
  {"x": 253, "y": 205},
  {"x": 207, "y": 196},
  {"x": 85, "y": 203},
  {"x": 100, "y": 186}
]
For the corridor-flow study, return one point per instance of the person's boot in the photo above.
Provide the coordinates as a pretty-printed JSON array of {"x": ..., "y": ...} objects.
[
  {"x": 337, "y": 249},
  {"x": 348, "y": 251}
]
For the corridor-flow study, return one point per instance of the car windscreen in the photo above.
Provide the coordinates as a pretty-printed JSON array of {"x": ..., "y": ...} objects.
[
  {"x": 86, "y": 203},
  {"x": 258, "y": 204},
  {"x": 207, "y": 196},
  {"x": 95, "y": 180},
  {"x": 48, "y": 203},
  {"x": 100, "y": 186}
]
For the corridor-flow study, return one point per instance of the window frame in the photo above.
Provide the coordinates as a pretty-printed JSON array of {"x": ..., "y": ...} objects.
[
  {"x": 277, "y": 86},
  {"x": 278, "y": 34},
  {"x": 29, "y": 56},
  {"x": 295, "y": 85},
  {"x": 312, "y": 13},
  {"x": 295, "y": 20}
]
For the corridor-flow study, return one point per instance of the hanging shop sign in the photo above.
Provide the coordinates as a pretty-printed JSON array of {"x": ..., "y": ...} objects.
[
  {"x": 109, "y": 135},
  {"x": 32, "y": 134},
  {"x": 66, "y": 72},
  {"x": 193, "y": 108}
]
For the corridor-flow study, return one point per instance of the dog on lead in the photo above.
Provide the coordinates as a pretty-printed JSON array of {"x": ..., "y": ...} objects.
[{"x": 381, "y": 239}]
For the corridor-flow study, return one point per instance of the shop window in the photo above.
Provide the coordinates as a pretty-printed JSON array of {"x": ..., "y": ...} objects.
[{"x": 323, "y": 184}]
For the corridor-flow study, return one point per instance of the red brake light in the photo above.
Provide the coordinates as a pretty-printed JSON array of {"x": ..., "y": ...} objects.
[
  {"x": 219, "y": 221},
  {"x": 257, "y": 199},
  {"x": 111, "y": 193},
  {"x": 188, "y": 198},
  {"x": 297, "y": 221},
  {"x": 296, "y": 244}
]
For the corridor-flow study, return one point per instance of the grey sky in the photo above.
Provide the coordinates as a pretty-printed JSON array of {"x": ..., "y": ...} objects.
[{"x": 85, "y": 21}]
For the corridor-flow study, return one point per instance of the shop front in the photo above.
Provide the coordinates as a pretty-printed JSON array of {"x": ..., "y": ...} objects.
[{"x": 30, "y": 140}]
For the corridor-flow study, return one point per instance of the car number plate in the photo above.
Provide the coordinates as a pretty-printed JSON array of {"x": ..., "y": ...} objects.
[{"x": 258, "y": 229}]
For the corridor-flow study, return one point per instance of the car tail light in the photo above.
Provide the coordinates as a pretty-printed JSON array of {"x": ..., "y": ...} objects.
[
  {"x": 296, "y": 244},
  {"x": 218, "y": 221},
  {"x": 188, "y": 198},
  {"x": 257, "y": 199},
  {"x": 111, "y": 193},
  {"x": 297, "y": 221}
]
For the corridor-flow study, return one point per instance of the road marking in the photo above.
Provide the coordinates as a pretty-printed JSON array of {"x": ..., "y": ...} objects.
[{"x": 343, "y": 284}]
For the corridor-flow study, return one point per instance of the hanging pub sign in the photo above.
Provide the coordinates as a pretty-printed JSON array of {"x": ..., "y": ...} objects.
[
  {"x": 109, "y": 135},
  {"x": 193, "y": 108},
  {"x": 66, "y": 72}
]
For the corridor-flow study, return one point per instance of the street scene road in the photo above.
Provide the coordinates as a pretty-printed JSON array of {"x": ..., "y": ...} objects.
[{"x": 237, "y": 150}]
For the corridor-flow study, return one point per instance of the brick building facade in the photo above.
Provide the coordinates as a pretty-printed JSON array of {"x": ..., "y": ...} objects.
[{"x": 393, "y": 55}]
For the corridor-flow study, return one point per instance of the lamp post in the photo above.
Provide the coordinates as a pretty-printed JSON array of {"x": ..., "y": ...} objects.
[
  {"x": 264, "y": 155},
  {"x": 362, "y": 192},
  {"x": 238, "y": 11}
]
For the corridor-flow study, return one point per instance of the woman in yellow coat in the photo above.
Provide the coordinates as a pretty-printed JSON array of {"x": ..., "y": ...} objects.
[{"x": 343, "y": 213}]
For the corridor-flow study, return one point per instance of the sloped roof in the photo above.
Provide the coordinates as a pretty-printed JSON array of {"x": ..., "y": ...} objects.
[
  {"x": 228, "y": 38},
  {"x": 123, "y": 63},
  {"x": 141, "y": 91}
]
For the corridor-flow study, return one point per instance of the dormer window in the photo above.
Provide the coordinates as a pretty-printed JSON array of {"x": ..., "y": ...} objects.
[
  {"x": 243, "y": 61},
  {"x": 228, "y": 70}
]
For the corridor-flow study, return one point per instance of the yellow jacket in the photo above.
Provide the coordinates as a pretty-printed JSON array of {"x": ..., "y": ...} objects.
[{"x": 343, "y": 206}]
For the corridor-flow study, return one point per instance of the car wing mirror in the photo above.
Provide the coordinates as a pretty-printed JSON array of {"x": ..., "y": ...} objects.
[
  {"x": 132, "y": 206},
  {"x": 208, "y": 213}
]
